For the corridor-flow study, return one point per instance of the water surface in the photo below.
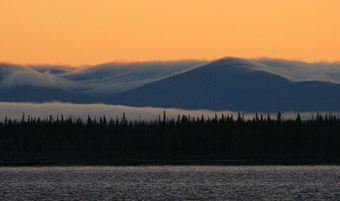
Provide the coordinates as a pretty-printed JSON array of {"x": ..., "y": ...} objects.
[{"x": 170, "y": 183}]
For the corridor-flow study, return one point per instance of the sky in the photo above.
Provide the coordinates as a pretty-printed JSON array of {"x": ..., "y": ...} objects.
[{"x": 89, "y": 32}]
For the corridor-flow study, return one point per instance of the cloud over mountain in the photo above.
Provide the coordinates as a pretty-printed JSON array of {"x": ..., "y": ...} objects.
[
  {"x": 234, "y": 84},
  {"x": 116, "y": 77},
  {"x": 227, "y": 84},
  {"x": 31, "y": 77},
  {"x": 104, "y": 78},
  {"x": 301, "y": 71}
]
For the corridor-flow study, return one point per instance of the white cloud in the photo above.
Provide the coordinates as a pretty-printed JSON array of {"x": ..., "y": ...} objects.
[
  {"x": 105, "y": 78},
  {"x": 116, "y": 77},
  {"x": 43, "y": 110},
  {"x": 30, "y": 77},
  {"x": 301, "y": 71}
]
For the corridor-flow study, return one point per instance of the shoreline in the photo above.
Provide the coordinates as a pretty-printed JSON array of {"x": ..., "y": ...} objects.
[{"x": 168, "y": 163}]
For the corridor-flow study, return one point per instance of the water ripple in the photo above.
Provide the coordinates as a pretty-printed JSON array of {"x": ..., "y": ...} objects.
[{"x": 170, "y": 183}]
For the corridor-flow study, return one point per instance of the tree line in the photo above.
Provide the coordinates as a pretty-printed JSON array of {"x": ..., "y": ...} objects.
[{"x": 220, "y": 137}]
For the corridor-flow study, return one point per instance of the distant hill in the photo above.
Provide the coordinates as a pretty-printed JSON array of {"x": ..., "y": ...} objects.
[
  {"x": 234, "y": 84},
  {"x": 226, "y": 84},
  {"x": 103, "y": 79}
]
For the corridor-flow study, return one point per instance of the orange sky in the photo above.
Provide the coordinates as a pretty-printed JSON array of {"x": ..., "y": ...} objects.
[{"x": 80, "y": 32}]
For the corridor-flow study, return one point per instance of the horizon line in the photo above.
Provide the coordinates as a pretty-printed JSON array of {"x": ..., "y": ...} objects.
[{"x": 125, "y": 61}]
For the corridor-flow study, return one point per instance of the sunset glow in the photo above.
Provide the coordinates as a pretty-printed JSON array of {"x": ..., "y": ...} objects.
[{"x": 86, "y": 32}]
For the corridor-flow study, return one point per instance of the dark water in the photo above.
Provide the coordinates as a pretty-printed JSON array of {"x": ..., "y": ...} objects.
[{"x": 171, "y": 183}]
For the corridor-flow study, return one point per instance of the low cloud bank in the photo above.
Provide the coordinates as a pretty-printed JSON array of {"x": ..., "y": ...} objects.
[
  {"x": 53, "y": 69},
  {"x": 301, "y": 71},
  {"x": 43, "y": 110},
  {"x": 115, "y": 77},
  {"x": 29, "y": 77},
  {"x": 100, "y": 79}
]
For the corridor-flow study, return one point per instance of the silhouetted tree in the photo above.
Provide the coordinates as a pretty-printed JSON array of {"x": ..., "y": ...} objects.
[{"x": 260, "y": 138}]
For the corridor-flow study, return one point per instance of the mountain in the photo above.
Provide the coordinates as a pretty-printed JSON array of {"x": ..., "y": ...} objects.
[
  {"x": 237, "y": 85},
  {"x": 117, "y": 77},
  {"x": 103, "y": 79},
  {"x": 89, "y": 85},
  {"x": 227, "y": 84},
  {"x": 130, "y": 71}
]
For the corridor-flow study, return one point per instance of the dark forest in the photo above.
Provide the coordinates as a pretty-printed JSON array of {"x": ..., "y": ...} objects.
[{"x": 185, "y": 138}]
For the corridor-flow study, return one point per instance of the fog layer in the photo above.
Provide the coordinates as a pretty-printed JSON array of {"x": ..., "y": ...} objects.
[{"x": 44, "y": 110}]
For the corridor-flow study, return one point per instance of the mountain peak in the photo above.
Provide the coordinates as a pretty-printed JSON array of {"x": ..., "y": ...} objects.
[{"x": 235, "y": 62}]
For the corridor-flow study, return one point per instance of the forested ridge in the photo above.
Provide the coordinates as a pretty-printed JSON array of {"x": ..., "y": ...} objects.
[{"x": 222, "y": 137}]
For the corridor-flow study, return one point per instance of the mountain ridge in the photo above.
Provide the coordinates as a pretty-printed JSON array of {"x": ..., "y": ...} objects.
[
  {"x": 225, "y": 84},
  {"x": 230, "y": 84}
]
